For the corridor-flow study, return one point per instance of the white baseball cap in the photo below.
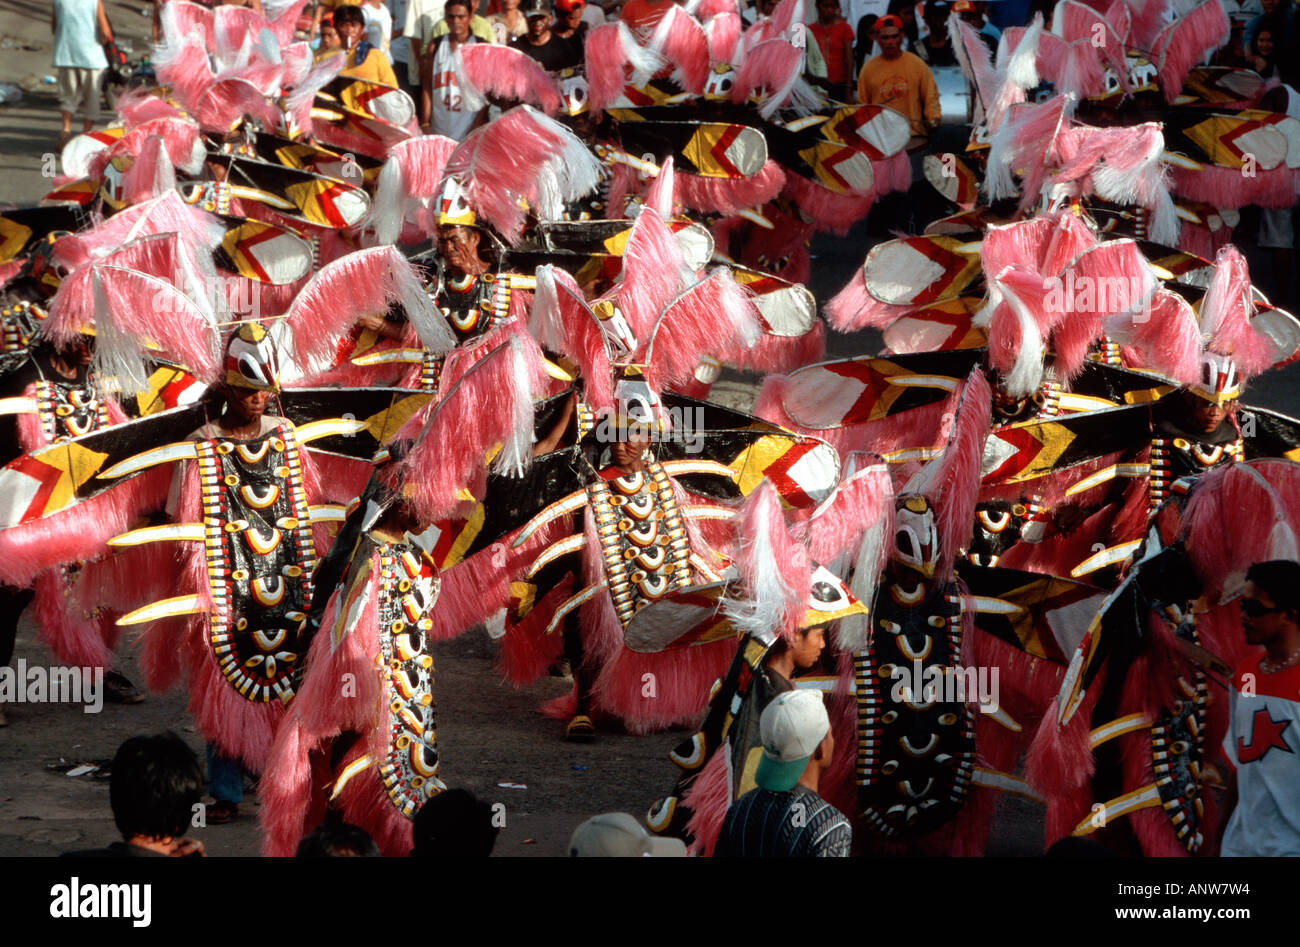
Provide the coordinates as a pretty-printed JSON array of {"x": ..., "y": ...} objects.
[
  {"x": 619, "y": 835},
  {"x": 792, "y": 726}
]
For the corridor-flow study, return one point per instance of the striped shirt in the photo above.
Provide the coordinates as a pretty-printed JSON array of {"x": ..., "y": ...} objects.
[{"x": 794, "y": 824}]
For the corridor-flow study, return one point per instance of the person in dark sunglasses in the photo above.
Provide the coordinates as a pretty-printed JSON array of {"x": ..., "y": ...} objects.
[{"x": 1262, "y": 744}]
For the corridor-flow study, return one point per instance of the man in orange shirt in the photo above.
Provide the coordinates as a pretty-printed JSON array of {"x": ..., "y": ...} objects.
[{"x": 901, "y": 81}]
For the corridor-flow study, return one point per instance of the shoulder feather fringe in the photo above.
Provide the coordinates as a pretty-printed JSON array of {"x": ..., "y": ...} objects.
[
  {"x": 522, "y": 155},
  {"x": 715, "y": 316},
  {"x": 562, "y": 322},
  {"x": 1185, "y": 42},
  {"x": 775, "y": 569}
]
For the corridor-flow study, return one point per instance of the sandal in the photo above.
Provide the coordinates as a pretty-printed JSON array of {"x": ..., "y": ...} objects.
[
  {"x": 119, "y": 690},
  {"x": 580, "y": 729},
  {"x": 219, "y": 813}
]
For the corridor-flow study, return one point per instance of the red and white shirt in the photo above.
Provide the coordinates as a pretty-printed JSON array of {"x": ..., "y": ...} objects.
[{"x": 1263, "y": 745}]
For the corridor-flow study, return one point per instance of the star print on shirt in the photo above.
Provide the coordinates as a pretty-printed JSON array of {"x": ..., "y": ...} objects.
[{"x": 1265, "y": 733}]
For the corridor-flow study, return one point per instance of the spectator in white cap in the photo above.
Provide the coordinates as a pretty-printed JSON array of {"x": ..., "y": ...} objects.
[
  {"x": 619, "y": 835},
  {"x": 784, "y": 816}
]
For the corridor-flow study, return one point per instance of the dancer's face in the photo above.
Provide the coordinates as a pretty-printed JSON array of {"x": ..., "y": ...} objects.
[
  {"x": 458, "y": 247},
  {"x": 247, "y": 404},
  {"x": 1207, "y": 416},
  {"x": 808, "y": 647}
]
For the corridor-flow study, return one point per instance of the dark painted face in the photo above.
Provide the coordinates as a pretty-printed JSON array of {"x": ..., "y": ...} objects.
[
  {"x": 79, "y": 352},
  {"x": 1206, "y": 416},
  {"x": 458, "y": 247},
  {"x": 246, "y": 403},
  {"x": 627, "y": 454}
]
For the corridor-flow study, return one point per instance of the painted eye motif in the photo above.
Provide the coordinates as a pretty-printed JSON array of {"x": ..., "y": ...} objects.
[
  {"x": 827, "y": 593},
  {"x": 994, "y": 522}
]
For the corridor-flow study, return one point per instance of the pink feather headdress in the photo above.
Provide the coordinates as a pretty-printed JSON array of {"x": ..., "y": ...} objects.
[
  {"x": 723, "y": 34},
  {"x": 131, "y": 312},
  {"x": 654, "y": 272},
  {"x": 227, "y": 101},
  {"x": 1044, "y": 244},
  {"x": 181, "y": 18},
  {"x": 185, "y": 149},
  {"x": 704, "y": 10},
  {"x": 679, "y": 39},
  {"x": 150, "y": 174},
  {"x": 851, "y": 529},
  {"x": 235, "y": 29},
  {"x": 506, "y": 73},
  {"x": 1106, "y": 288},
  {"x": 1146, "y": 17},
  {"x": 1167, "y": 340},
  {"x": 615, "y": 59},
  {"x": 562, "y": 322},
  {"x": 167, "y": 213},
  {"x": 975, "y": 61},
  {"x": 138, "y": 105},
  {"x": 1021, "y": 145},
  {"x": 1019, "y": 325},
  {"x": 365, "y": 281},
  {"x": 490, "y": 404},
  {"x": 1231, "y": 325},
  {"x": 298, "y": 103},
  {"x": 522, "y": 156},
  {"x": 183, "y": 65},
  {"x": 1185, "y": 42},
  {"x": 773, "y": 71},
  {"x": 409, "y": 179},
  {"x": 1085, "y": 28}
]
